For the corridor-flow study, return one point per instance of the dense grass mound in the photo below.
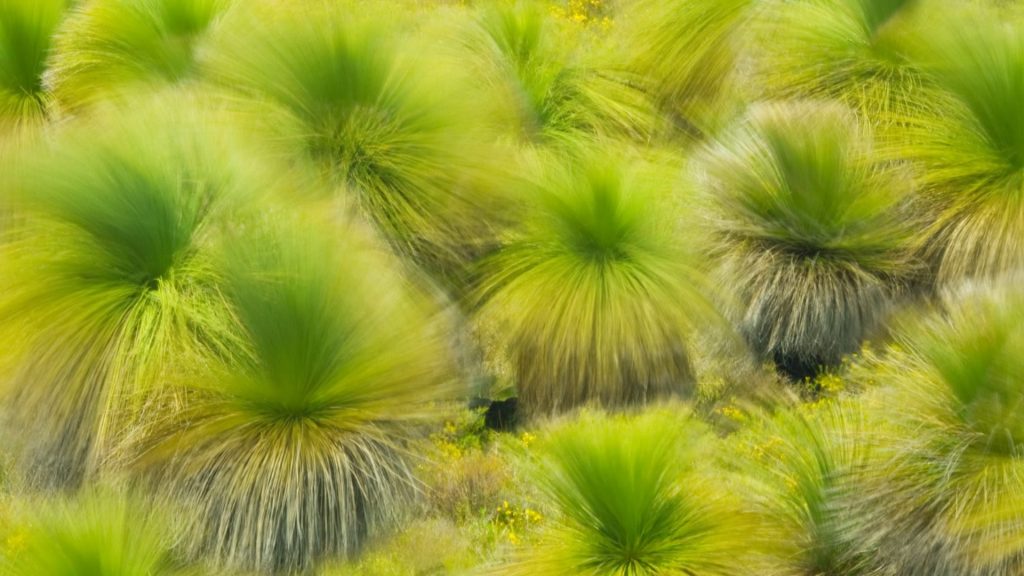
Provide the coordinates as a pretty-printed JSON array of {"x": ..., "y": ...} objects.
[
  {"x": 589, "y": 293},
  {"x": 108, "y": 282},
  {"x": 950, "y": 485},
  {"x": 969, "y": 145},
  {"x": 26, "y": 33},
  {"x": 109, "y": 46},
  {"x": 632, "y": 502},
  {"x": 343, "y": 94},
  {"x": 853, "y": 51},
  {"x": 296, "y": 449},
  {"x": 539, "y": 72},
  {"x": 812, "y": 232},
  {"x": 97, "y": 533}
]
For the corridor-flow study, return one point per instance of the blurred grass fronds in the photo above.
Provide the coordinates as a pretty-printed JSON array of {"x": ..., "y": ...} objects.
[
  {"x": 853, "y": 51},
  {"x": 108, "y": 47},
  {"x": 95, "y": 533},
  {"x": 967, "y": 140},
  {"x": 685, "y": 54},
  {"x": 334, "y": 85},
  {"x": 590, "y": 294},
  {"x": 814, "y": 234},
  {"x": 296, "y": 449},
  {"x": 949, "y": 469},
  {"x": 632, "y": 501},
  {"x": 27, "y": 28},
  {"x": 108, "y": 282}
]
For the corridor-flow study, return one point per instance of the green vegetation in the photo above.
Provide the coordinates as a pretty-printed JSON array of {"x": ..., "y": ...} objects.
[{"x": 511, "y": 287}]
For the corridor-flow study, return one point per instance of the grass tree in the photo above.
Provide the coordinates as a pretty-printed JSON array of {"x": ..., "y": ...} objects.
[
  {"x": 589, "y": 294},
  {"x": 107, "y": 280},
  {"x": 969, "y": 145},
  {"x": 27, "y": 28},
  {"x": 108, "y": 46},
  {"x": 803, "y": 466},
  {"x": 295, "y": 449},
  {"x": 812, "y": 232},
  {"x": 339, "y": 89},
  {"x": 97, "y": 533},
  {"x": 949, "y": 466},
  {"x": 631, "y": 499},
  {"x": 853, "y": 51},
  {"x": 683, "y": 53},
  {"x": 543, "y": 84}
]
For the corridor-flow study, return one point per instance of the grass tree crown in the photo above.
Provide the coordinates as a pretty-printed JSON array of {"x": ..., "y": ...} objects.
[
  {"x": 590, "y": 292},
  {"x": 26, "y": 33},
  {"x": 968, "y": 142},
  {"x": 109, "y": 279},
  {"x": 295, "y": 449},
  {"x": 331, "y": 84},
  {"x": 951, "y": 462},
  {"x": 632, "y": 501},
  {"x": 811, "y": 230},
  {"x": 108, "y": 46}
]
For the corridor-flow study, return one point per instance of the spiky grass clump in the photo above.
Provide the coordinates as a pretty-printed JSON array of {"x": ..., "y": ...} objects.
[
  {"x": 551, "y": 93},
  {"x": 632, "y": 500},
  {"x": 590, "y": 294},
  {"x": 684, "y": 52},
  {"x": 344, "y": 93},
  {"x": 97, "y": 533},
  {"x": 108, "y": 46},
  {"x": 26, "y": 32},
  {"x": 804, "y": 467},
  {"x": 812, "y": 232},
  {"x": 853, "y": 51},
  {"x": 296, "y": 450},
  {"x": 107, "y": 280},
  {"x": 969, "y": 144},
  {"x": 950, "y": 476}
]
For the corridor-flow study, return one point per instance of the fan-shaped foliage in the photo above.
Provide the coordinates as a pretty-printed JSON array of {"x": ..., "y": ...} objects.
[
  {"x": 346, "y": 95},
  {"x": 632, "y": 502},
  {"x": 684, "y": 52},
  {"x": 590, "y": 294},
  {"x": 850, "y": 50},
  {"x": 26, "y": 32},
  {"x": 296, "y": 449},
  {"x": 969, "y": 144},
  {"x": 96, "y": 534},
  {"x": 811, "y": 231},
  {"x": 107, "y": 279},
  {"x": 548, "y": 88},
  {"x": 803, "y": 465},
  {"x": 110, "y": 45},
  {"x": 951, "y": 471}
]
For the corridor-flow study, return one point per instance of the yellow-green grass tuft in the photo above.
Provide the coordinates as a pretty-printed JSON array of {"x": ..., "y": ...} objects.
[
  {"x": 813, "y": 234},
  {"x": 296, "y": 450},
  {"x": 590, "y": 294}
]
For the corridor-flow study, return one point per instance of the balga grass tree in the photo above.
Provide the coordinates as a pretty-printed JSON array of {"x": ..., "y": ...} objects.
[
  {"x": 803, "y": 466},
  {"x": 684, "y": 53},
  {"x": 544, "y": 84},
  {"x": 590, "y": 292},
  {"x": 811, "y": 231},
  {"x": 967, "y": 139},
  {"x": 27, "y": 28},
  {"x": 107, "y": 47},
  {"x": 631, "y": 498},
  {"x": 296, "y": 449},
  {"x": 107, "y": 279},
  {"x": 99, "y": 533},
  {"x": 853, "y": 51},
  {"x": 333, "y": 85},
  {"x": 948, "y": 466}
]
